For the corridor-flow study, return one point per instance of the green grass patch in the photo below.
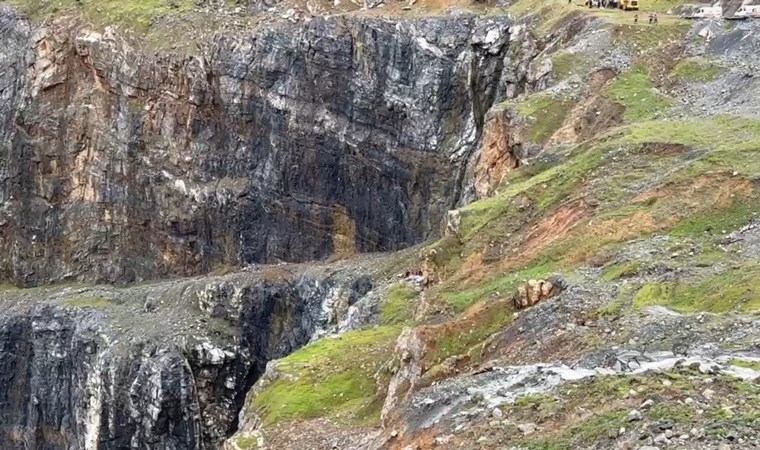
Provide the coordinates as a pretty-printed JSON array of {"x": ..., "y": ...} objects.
[
  {"x": 614, "y": 308},
  {"x": 715, "y": 222},
  {"x": 566, "y": 65},
  {"x": 461, "y": 343},
  {"x": 732, "y": 142},
  {"x": 617, "y": 307},
  {"x": 618, "y": 271},
  {"x": 680, "y": 413},
  {"x": 598, "y": 428},
  {"x": 399, "y": 305},
  {"x": 754, "y": 365},
  {"x": 247, "y": 443},
  {"x": 504, "y": 285},
  {"x": 138, "y": 15},
  {"x": 544, "y": 114},
  {"x": 661, "y": 5},
  {"x": 646, "y": 39},
  {"x": 718, "y": 132},
  {"x": 634, "y": 90},
  {"x": 8, "y": 287},
  {"x": 88, "y": 302},
  {"x": 734, "y": 289},
  {"x": 546, "y": 188},
  {"x": 334, "y": 377},
  {"x": 697, "y": 69},
  {"x": 546, "y": 10}
]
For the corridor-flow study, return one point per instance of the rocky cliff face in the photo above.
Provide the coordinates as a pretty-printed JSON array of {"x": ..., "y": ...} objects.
[
  {"x": 160, "y": 366},
  {"x": 331, "y": 136},
  {"x": 295, "y": 142}
]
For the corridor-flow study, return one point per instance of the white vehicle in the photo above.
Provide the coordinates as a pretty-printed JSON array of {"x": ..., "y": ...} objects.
[
  {"x": 752, "y": 11},
  {"x": 710, "y": 12}
]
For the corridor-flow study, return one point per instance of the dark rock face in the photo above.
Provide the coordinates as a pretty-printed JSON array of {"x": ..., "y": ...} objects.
[
  {"x": 332, "y": 136},
  {"x": 118, "y": 378}
]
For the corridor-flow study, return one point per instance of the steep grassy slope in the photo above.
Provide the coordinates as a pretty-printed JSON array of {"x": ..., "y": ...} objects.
[
  {"x": 335, "y": 377},
  {"x": 643, "y": 213}
]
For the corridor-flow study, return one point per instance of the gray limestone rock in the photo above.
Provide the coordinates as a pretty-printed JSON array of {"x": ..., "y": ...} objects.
[{"x": 89, "y": 368}]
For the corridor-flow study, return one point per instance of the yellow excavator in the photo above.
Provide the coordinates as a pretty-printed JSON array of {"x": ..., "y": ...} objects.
[{"x": 629, "y": 5}]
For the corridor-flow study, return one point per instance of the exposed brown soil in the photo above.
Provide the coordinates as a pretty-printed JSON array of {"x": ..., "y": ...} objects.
[{"x": 592, "y": 115}]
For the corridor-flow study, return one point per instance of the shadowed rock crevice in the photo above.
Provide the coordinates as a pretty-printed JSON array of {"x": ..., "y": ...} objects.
[{"x": 174, "y": 378}]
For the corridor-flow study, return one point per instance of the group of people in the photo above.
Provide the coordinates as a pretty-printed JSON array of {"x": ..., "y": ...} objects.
[
  {"x": 610, "y": 3},
  {"x": 597, "y": 3},
  {"x": 652, "y": 18}
]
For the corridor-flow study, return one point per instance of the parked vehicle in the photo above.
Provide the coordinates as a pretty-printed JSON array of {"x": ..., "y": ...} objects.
[
  {"x": 709, "y": 12},
  {"x": 749, "y": 11},
  {"x": 629, "y": 5}
]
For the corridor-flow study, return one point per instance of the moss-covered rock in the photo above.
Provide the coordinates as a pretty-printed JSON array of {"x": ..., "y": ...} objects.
[{"x": 338, "y": 377}]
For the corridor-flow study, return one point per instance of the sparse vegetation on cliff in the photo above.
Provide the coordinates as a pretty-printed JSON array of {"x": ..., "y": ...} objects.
[
  {"x": 132, "y": 14},
  {"x": 337, "y": 377},
  {"x": 697, "y": 69},
  {"x": 399, "y": 305},
  {"x": 634, "y": 90}
]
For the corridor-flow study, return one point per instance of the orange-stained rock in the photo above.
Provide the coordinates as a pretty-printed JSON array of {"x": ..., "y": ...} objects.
[{"x": 497, "y": 155}]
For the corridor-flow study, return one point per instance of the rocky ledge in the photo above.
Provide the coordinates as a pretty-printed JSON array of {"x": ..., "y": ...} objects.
[{"x": 163, "y": 365}]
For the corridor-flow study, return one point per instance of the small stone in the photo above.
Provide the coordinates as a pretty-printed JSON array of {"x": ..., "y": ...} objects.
[
  {"x": 494, "y": 424},
  {"x": 621, "y": 431},
  {"x": 661, "y": 439},
  {"x": 688, "y": 400},
  {"x": 649, "y": 447},
  {"x": 669, "y": 434},
  {"x": 497, "y": 414},
  {"x": 667, "y": 383},
  {"x": 394, "y": 433},
  {"x": 440, "y": 440},
  {"x": 527, "y": 428},
  {"x": 648, "y": 403},
  {"x": 634, "y": 415},
  {"x": 684, "y": 437},
  {"x": 708, "y": 394},
  {"x": 724, "y": 447}
]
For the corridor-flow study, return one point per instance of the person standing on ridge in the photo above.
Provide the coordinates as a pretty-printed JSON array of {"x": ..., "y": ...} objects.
[{"x": 636, "y": 18}]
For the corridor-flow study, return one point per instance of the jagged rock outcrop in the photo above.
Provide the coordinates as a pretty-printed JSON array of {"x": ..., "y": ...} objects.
[
  {"x": 331, "y": 136},
  {"x": 533, "y": 291},
  {"x": 410, "y": 350},
  {"x": 501, "y": 151},
  {"x": 107, "y": 374}
]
